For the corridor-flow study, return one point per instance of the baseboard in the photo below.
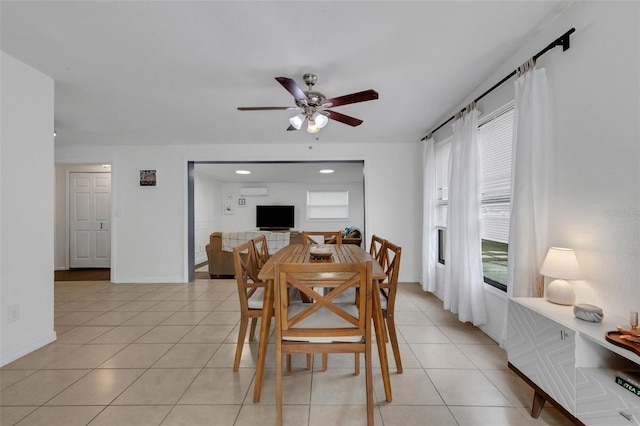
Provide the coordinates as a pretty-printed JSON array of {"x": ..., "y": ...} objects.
[
  {"x": 27, "y": 348},
  {"x": 148, "y": 280}
]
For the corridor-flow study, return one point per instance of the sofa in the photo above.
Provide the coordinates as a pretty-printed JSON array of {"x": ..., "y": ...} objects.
[{"x": 221, "y": 261}]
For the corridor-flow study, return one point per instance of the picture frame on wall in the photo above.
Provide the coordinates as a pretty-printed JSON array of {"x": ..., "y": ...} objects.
[{"x": 148, "y": 178}]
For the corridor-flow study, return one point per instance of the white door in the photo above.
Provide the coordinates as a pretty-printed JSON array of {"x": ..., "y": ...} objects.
[{"x": 89, "y": 220}]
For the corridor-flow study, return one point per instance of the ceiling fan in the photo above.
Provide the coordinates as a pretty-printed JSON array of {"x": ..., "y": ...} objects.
[{"x": 314, "y": 105}]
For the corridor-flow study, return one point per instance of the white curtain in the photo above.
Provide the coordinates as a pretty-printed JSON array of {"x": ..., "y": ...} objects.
[
  {"x": 463, "y": 293},
  {"x": 528, "y": 229},
  {"x": 529, "y": 184},
  {"x": 429, "y": 233}
]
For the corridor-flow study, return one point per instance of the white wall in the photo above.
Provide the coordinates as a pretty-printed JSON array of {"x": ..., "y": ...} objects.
[
  {"x": 149, "y": 227},
  {"x": 26, "y": 209},
  {"x": 594, "y": 198},
  {"x": 244, "y": 217},
  {"x": 207, "y": 199}
]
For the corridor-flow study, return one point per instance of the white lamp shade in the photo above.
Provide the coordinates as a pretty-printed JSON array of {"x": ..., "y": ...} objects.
[
  {"x": 297, "y": 121},
  {"x": 320, "y": 120},
  {"x": 561, "y": 263}
]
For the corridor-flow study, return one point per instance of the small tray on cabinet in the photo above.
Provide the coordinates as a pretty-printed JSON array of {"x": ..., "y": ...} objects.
[{"x": 614, "y": 338}]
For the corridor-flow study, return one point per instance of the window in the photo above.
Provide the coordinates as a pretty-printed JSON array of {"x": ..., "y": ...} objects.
[
  {"x": 443, "y": 150},
  {"x": 495, "y": 135},
  {"x": 441, "y": 244},
  {"x": 327, "y": 205}
]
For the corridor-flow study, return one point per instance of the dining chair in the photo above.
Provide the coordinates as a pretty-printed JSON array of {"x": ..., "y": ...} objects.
[
  {"x": 390, "y": 262},
  {"x": 308, "y": 237},
  {"x": 250, "y": 293},
  {"x": 323, "y": 326}
]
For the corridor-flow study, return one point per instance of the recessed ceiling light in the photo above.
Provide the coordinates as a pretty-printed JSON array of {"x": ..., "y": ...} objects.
[
  {"x": 243, "y": 172},
  {"x": 326, "y": 171}
]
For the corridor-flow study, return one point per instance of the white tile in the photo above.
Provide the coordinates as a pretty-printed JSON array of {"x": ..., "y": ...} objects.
[{"x": 466, "y": 387}]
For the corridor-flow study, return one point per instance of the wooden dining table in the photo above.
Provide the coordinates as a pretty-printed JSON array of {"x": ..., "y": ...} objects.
[{"x": 341, "y": 253}]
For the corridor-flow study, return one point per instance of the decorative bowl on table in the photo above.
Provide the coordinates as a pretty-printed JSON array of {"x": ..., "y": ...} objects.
[{"x": 321, "y": 251}]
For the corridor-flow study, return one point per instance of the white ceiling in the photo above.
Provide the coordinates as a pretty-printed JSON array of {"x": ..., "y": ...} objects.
[
  {"x": 284, "y": 172},
  {"x": 174, "y": 72}
]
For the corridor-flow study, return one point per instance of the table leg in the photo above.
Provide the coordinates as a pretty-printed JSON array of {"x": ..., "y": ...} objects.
[
  {"x": 265, "y": 326},
  {"x": 382, "y": 348}
]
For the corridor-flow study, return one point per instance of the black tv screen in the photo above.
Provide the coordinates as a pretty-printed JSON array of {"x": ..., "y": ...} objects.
[{"x": 274, "y": 217}]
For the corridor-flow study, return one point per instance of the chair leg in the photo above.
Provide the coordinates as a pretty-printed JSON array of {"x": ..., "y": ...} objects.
[
  {"x": 309, "y": 361},
  {"x": 390, "y": 321},
  {"x": 357, "y": 363},
  {"x": 244, "y": 322},
  {"x": 369, "y": 384},
  {"x": 325, "y": 361},
  {"x": 288, "y": 364},
  {"x": 279, "y": 384},
  {"x": 252, "y": 333}
]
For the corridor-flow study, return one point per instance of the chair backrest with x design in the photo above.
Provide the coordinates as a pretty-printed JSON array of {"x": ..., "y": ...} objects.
[
  {"x": 376, "y": 249},
  {"x": 390, "y": 262},
  {"x": 250, "y": 292},
  {"x": 261, "y": 251}
]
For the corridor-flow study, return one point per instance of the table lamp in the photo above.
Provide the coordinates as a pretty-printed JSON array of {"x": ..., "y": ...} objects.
[{"x": 561, "y": 264}]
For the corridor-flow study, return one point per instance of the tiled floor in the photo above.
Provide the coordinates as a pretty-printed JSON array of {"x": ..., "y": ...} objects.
[{"x": 161, "y": 354}]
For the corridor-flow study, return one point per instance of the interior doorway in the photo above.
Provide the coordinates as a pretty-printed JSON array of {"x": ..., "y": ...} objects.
[
  {"x": 82, "y": 217},
  {"x": 232, "y": 198}
]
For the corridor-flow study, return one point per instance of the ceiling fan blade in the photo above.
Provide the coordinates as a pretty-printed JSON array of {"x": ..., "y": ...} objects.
[
  {"x": 290, "y": 128},
  {"x": 265, "y": 108},
  {"x": 367, "y": 95},
  {"x": 351, "y": 121},
  {"x": 293, "y": 88}
]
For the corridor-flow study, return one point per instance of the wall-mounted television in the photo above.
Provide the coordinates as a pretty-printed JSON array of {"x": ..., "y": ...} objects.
[{"x": 274, "y": 217}]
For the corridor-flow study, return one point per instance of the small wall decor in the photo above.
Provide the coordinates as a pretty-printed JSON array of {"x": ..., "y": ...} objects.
[
  {"x": 228, "y": 209},
  {"x": 147, "y": 178},
  {"x": 242, "y": 201}
]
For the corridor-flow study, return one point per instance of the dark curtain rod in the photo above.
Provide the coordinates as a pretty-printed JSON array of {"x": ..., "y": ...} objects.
[{"x": 563, "y": 41}]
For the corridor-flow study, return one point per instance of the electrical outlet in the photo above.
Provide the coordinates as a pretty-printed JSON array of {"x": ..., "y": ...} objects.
[{"x": 14, "y": 313}]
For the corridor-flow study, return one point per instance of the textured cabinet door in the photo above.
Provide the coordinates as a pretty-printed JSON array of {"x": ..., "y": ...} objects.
[
  {"x": 601, "y": 401},
  {"x": 521, "y": 339},
  {"x": 544, "y": 351}
]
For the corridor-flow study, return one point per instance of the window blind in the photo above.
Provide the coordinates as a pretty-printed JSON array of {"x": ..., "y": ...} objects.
[
  {"x": 328, "y": 205},
  {"x": 443, "y": 151},
  {"x": 495, "y": 137}
]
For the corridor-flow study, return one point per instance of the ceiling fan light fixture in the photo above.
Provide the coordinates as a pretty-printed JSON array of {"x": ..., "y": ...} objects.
[
  {"x": 320, "y": 120},
  {"x": 297, "y": 121},
  {"x": 312, "y": 127}
]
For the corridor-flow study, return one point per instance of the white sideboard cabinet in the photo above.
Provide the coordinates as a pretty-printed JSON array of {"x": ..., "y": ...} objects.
[{"x": 569, "y": 363}]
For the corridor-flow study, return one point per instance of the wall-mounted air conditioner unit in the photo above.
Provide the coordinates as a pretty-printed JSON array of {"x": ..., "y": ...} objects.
[{"x": 254, "y": 192}]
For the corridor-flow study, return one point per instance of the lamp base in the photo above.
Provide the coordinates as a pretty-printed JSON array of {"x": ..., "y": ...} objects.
[{"x": 560, "y": 292}]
